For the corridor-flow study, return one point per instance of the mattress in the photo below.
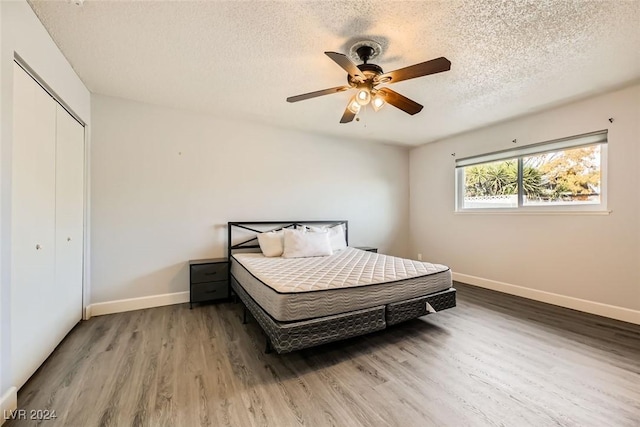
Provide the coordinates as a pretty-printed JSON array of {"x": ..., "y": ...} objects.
[{"x": 305, "y": 288}]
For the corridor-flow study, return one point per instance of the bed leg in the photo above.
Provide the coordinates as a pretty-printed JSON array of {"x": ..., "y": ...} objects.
[
  {"x": 244, "y": 315},
  {"x": 268, "y": 349}
]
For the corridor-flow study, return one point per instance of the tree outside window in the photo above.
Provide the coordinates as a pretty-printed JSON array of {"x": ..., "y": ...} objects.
[{"x": 562, "y": 177}]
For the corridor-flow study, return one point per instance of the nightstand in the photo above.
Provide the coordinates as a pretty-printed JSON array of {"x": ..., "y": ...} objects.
[
  {"x": 208, "y": 280},
  {"x": 367, "y": 248}
]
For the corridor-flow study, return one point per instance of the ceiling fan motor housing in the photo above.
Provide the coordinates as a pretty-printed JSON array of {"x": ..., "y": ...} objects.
[{"x": 369, "y": 70}]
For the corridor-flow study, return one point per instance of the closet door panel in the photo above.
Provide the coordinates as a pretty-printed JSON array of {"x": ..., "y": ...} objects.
[
  {"x": 69, "y": 220},
  {"x": 32, "y": 225}
]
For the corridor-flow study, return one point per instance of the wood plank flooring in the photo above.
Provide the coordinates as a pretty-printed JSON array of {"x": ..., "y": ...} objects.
[{"x": 495, "y": 360}]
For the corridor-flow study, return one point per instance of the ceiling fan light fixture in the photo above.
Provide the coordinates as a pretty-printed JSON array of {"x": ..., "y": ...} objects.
[
  {"x": 354, "y": 106},
  {"x": 363, "y": 97},
  {"x": 377, "y": 102}
]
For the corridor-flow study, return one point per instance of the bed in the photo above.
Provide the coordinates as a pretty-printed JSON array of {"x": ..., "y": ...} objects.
[{"x": 308, "y": 301}]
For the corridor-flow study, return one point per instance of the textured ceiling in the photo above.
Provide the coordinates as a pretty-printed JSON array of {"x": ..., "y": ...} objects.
[{"x": 242, "y": 59}]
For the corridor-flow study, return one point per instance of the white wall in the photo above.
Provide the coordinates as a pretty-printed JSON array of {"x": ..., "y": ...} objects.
[
  {"x": 592, "y": 258},
  {"x": 3, "y": 350},
  {"x": 22, "y": 33},
  {"x": 165, "y": 182}
]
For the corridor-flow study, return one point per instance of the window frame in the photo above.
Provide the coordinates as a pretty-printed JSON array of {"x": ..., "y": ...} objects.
[{"x": 589, "y": 139}]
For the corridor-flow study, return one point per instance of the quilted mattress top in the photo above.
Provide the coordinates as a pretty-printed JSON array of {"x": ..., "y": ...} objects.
[{"x": 345, "y": 269}]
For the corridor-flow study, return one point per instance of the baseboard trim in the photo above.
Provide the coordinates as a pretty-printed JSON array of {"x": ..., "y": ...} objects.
[
  {"x": 600, "y": 309},
  {"x": 8, "y": 403},
  {"x": 130, "y": 304}
]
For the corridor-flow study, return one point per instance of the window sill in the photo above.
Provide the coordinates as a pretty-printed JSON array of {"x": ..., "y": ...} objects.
[{"x": 526, "y": 212}]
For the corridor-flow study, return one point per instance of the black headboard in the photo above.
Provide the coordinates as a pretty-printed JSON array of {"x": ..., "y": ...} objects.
[{"x": 263, "y": 226}]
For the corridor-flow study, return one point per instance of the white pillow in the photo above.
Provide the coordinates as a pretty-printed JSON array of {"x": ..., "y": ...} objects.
[
  {"x": 337, "y": 238},
  {"x": 298, "y": 244},
  {"x": 271, "y": 243}
]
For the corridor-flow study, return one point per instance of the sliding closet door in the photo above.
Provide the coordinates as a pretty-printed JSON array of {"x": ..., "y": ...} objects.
[
  {"x": 32, "y": 225},
  {"x": 46, "y": 225},
  {"x": 69, "y": 220}
]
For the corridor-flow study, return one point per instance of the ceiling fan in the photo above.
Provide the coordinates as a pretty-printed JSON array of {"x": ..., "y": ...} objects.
[{"x": 366, "y": 77}]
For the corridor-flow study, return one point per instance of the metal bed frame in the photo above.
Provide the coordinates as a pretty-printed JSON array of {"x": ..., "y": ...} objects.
[{"x": 285, "y": 337}]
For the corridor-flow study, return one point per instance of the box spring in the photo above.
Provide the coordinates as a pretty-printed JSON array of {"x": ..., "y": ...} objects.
[
  {"x": 406, "y": 310},
  {"x": 290, "y": 336}
]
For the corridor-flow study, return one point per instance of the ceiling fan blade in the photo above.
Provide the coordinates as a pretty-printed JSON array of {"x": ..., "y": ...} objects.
[
  {"x": 348, "y": 115},
  {"x": 317, "y": 93},
  {"x": 346, "y": 64},
  {"x": 434, "y": 66},
  {"x": 400, "y": 101}
]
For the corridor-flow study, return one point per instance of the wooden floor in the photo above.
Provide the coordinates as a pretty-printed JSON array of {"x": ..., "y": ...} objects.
[{"x": 494, "y": 360}]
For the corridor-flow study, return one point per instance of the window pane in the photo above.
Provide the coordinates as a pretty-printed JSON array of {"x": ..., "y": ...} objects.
[
  {"x": 566, "y": 177},
  {"x": 491, "y": 185}
]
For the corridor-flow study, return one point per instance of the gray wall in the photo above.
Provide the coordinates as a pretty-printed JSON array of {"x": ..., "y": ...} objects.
[
  {"x": 584, "y": 257},
  {"x": 164, "y": 183}
]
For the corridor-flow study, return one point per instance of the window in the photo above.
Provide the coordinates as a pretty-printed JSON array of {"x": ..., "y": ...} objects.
[{"x": 566, "y": 174}]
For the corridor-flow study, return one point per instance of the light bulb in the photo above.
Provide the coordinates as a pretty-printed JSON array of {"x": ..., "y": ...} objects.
[
  {"x": 377, "y": 103},
  {"x": 354, "y": 107},
  {"x": 363, "y": 97}
]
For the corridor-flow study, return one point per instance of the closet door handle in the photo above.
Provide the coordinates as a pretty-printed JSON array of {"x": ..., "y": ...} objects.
[{"x": 38, "y": 247}]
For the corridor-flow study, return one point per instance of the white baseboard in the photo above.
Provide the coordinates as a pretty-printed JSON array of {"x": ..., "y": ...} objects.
[
  {"x": 130, "y": 304},
  {"x": 600, "y": 309},
  {"x": 8, "y": 403}
]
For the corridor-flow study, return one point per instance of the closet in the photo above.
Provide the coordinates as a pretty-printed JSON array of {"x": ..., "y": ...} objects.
[{"x": 47, "y": 224}]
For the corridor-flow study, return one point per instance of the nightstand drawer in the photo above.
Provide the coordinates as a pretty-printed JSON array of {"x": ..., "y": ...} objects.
[
  {"x": 209, "y": 291},
  {"x": 201, "y": 273}
]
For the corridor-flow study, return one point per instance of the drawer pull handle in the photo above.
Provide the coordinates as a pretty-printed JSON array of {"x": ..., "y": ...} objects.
[
  {"x": 211, "y": 292},
  {"x": 211, "y": 274}
]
